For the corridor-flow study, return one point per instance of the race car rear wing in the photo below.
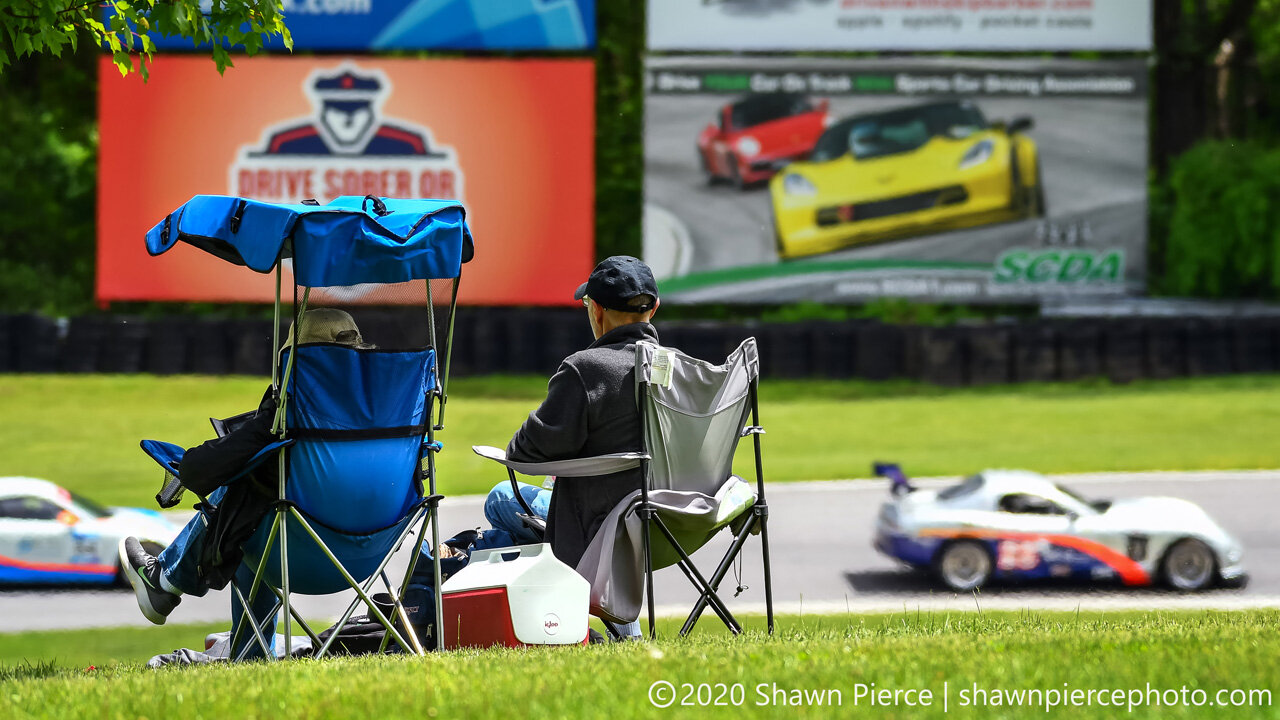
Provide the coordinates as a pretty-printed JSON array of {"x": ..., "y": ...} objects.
[{"x": 898, "y": 482}]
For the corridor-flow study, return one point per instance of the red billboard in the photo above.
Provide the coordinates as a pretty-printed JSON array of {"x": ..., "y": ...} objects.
[{"x": 512, "y": 139}]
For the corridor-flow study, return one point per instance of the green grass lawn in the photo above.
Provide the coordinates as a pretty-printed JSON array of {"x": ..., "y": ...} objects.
[
  {"x": 83, "y": 431},
  {"x": 944, "y": 654}
]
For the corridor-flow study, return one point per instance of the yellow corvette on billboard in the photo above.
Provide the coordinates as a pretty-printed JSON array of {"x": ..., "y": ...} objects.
[{"x": 905, "y": 172}]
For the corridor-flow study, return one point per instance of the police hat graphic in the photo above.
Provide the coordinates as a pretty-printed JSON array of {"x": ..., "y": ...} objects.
[{"x": 347, "y": 109}]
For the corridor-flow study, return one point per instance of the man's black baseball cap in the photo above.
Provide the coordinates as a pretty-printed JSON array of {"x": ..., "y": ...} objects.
[{"x": 616, "y": 280}]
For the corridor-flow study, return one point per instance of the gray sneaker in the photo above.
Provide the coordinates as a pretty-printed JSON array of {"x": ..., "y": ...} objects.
[{"x": 144, "y": 575}]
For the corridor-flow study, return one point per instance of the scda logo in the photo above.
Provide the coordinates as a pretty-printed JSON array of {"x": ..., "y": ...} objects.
[
  {"x": 347, "y": 147},
  {"x": 1060, "y": 266}
]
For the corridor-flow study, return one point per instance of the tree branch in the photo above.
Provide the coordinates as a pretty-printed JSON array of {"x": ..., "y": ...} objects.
[{"x": 72, "y": 9}]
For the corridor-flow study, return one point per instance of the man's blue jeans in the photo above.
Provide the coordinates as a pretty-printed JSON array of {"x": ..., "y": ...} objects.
[
  {"x": 179, "y": 560},
  {"x": 501, "y": 509}
]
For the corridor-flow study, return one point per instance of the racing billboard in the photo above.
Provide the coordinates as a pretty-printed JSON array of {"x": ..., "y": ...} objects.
[
  {"x": 942, "y": 179},
  {"x": 511, "y": 139},
  {"x": 930, "y": 25},
  {"x": 349, "y": 25}
]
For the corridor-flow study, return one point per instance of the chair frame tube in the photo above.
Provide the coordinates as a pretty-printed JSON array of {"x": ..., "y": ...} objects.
[
  {"x": 708, "y": 591},
  {"x": 646, "y": 510}
]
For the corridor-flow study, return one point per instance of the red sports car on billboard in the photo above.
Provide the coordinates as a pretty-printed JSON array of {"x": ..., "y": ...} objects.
[{"x": 753, "y": 138}]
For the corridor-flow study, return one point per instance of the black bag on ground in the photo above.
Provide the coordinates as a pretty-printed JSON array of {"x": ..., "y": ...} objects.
[
  {"x": 360, "y": 635},
  {"x": 363, "y": 634}
]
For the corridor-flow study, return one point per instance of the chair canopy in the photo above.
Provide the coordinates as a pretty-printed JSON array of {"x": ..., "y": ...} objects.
[{"x": 351, "y": 240}]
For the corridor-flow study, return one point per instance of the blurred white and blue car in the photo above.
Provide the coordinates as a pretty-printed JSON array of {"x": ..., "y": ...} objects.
[
  {"x": 51, "y": 535},
  {"x": 1016, "y": 525}
]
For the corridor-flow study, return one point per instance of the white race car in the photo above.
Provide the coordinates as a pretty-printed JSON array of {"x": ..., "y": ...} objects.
[
  {"x": 1015, "y": 525},
  {"x": 51, "y": 535}
]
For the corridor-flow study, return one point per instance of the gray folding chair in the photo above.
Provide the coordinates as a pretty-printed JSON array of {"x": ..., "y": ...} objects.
[{"x": 693, "y": 414}]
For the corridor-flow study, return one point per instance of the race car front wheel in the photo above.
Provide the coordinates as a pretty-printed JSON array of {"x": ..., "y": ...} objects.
[
  {"x": 735, "y": 172},
  {"x": 1038, "y": 206},
  {"x": 1189, "y": 565},
  {"x": 964, "y": 565},
  {"x": 707, "y": 175}
]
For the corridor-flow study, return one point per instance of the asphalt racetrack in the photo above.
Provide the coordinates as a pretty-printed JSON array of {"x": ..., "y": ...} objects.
[
  {"x": 823, "y": 562},
  {"x": 1094, "y": 163}
]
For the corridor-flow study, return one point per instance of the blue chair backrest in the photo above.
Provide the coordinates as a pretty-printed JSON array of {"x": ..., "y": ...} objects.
[{"x": 358, "y": 417}]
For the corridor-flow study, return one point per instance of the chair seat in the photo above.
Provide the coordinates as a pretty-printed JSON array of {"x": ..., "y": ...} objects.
[{"x": 614, "y": 560}]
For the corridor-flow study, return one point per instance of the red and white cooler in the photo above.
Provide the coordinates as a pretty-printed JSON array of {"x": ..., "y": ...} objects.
[{"x": 515, "y": 596}]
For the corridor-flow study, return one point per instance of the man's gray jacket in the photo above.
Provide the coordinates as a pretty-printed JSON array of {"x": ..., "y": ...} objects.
[{"x": 590, "y": 410}]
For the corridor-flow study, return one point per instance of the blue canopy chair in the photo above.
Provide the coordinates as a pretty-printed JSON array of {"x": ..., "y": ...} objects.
[{"x": 356, "y": 426}]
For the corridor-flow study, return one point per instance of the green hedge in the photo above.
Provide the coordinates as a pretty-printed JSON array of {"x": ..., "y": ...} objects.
[
  {"x": 620, "y": 31},
  {"x": 49, "y": 153},
  {"x": 1220, "y": 207}
]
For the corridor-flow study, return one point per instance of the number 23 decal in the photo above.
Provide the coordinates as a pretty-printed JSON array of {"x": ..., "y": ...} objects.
[{"x": 1018, "y": 554}]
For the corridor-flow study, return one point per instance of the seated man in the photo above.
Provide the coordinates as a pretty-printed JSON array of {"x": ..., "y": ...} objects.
[
  {"x": 204, "y": 557},
  {"x": 590, "y": 409}
]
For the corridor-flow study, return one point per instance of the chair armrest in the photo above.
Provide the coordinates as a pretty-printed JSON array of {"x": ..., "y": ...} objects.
[
  {"x": 577, "y": 467},
  {"x": 169, "y": 457}
]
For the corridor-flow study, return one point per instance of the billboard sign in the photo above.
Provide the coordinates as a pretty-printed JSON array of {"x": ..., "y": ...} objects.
[
  {"x": 859, "y": 25},
  {"x": 351, "y": 25},
  {"x": 941, "y": 179},
  {"x": 511, "y": 139}
]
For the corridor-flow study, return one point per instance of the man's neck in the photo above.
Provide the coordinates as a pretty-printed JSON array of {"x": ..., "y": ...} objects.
[
  {"x": 608, "y": 325},
  {"x": 641, "y": 328}
]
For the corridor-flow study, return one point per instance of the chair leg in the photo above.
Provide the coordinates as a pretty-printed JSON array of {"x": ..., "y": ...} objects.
[
  {"x": 649, "y": 517},
  {"x": 258, "y": 574},
  {"x": 398, "y": 603},
  {"x": 284, "y": 577},
  {"x": 761, "y": 508},
  {"x": 268, "y": 649},
  {"x": 315, "y": 639},
  {"x": 433, "y": 520},
  {"x": 695, "y": 577},
  {"x": 763, "y": 514},
  {"x": 718, "y": 576},
  {"x": 717, "y": 607},
  {"x": 260, "y": 629},
  {"x": 360, "y": 590},
  {"x": 412, "y": 566}
]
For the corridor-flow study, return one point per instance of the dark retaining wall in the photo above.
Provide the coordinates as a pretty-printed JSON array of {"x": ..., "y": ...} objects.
[{"x": 532, "y": 341}]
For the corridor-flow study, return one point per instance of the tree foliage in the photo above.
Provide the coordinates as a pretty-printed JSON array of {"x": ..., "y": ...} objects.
[
  {"x": 619, "y": 126},
  {"x": 1222, "y": 233},
  {"x": 49, "y": 152},
  {"x": 1215, "y": 117},
  {"x": 1215, "y": 73},
  {"x": 126, "y": 27}
]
